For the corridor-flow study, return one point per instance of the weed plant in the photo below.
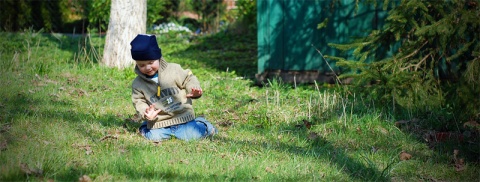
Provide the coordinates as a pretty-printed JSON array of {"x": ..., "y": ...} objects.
[{"x": 64, "y": 117}]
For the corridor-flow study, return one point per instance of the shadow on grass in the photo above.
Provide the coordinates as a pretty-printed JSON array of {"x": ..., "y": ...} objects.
[
  {"x": 224, "y": 51},
  {"x": 53, "y": 110},
  {"x": 71, "y": 48},
  {"x": 34, "y": 110},
  {"x": 318, "y": 149},
  {"x": 130, "y": 173}
]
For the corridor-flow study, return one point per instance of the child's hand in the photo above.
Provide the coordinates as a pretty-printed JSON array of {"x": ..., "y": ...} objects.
[
  {"x": 150, "y": 113},
  {"x": 196, "y": 92}
]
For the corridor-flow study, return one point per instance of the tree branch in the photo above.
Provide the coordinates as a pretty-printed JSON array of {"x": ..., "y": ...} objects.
[
  {"x": 417, "y": 65},
  {"x": 414, "y": 52}
]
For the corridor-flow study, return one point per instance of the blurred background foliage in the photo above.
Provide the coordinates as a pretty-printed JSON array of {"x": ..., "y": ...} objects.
[{"x": 91, "y": 16}]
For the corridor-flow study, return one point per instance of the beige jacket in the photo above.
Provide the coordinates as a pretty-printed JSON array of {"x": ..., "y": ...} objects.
[{"x": 174, "y": 84}]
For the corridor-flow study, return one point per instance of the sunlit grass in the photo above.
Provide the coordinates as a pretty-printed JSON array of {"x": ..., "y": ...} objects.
[{"x": 64, "y": 116}]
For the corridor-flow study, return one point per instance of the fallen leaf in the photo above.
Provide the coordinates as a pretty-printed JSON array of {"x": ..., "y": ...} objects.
[
  {"x": 359, "y": 131},
  {"x": 54, "y": 95},
  {"x": 157, "y": 143},
  {"x": 471, "y": 124},
  {"x": 30, "y": 171},
  {"x": 5, "y": 127},
  {"x": 25, "y": 169},
  {"x": 3, "y": 145},
  {"x": 82, "y": 92},
  {"x": 88, "y": 152},
  {"x": 184, "y": 161},
  {"x": 87, "y": 148},
  {"x": 84, "y": 178},
  {"x": 223, "y": 155},
  {"x": 71, "y": 81},
  {"x": 307, "y": 124},
  {"x": 459, "y": 162},
  {"x": 460, "y": 165},
  {"x": 225, "y": 123},
  {"x": 269, "y": 170},
  {"x": 383, "y": 130},
  {"x": 405, "y": 156},
  {"x": 455, "y": 153}
]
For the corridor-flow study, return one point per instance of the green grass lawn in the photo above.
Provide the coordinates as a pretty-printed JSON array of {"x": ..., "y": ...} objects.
[{"x": 64, "y": 117}]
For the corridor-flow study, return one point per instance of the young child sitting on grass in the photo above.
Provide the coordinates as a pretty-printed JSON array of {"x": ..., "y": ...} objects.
[{"x": 162, "y": 94}]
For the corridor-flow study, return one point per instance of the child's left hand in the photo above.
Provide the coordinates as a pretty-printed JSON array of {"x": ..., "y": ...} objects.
[{"x": 196, "y": 92}]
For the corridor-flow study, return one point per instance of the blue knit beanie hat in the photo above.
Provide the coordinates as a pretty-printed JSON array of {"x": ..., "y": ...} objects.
[{"x": 145, "y": 47}]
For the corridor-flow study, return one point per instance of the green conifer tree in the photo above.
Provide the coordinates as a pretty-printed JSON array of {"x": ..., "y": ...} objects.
[{"x": 426, "y": 56}]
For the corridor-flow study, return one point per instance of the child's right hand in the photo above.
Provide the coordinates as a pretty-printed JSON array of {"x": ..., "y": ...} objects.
[{"x": 150, "y": 113}]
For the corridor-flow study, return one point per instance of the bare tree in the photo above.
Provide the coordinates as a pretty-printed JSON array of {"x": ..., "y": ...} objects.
[{"x": 127, "y": 19}]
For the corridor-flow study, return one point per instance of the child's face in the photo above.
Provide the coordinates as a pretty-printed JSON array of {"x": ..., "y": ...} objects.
[{"x": 148, "y": 67}]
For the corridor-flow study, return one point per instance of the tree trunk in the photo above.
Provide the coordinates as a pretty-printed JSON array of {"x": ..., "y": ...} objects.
[{"x": 127, "y": 19}]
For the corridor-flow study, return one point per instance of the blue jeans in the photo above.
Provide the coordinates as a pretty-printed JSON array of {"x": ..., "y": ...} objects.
[{"x": 192, "y": 130}]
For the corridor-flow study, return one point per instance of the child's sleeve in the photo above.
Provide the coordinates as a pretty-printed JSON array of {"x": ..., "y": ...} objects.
[
  {"x": 188, "y": 80},
  {"x": 139, "y": 102}
]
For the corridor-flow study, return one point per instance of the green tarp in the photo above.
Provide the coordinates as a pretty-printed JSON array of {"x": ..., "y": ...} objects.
[{"x": 288, "y": 33}]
